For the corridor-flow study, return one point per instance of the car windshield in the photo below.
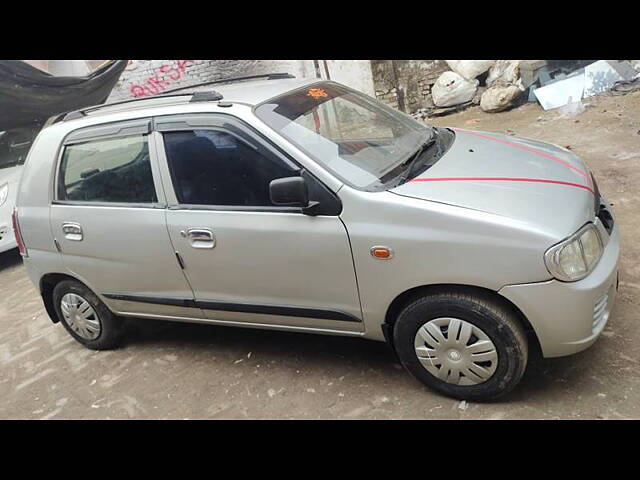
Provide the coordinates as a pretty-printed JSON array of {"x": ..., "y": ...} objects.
[{"x": 355, "y": 137}]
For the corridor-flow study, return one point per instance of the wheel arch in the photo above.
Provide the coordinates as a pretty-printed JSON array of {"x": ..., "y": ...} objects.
[
  {"x": 47, "y": 283},
  {"x": 408, "y": 296}
]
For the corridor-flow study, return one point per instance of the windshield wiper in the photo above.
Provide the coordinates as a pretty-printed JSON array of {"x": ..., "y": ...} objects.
[
  {"x": 412, "y": 162},
  {"x": 407, "y": 166}
]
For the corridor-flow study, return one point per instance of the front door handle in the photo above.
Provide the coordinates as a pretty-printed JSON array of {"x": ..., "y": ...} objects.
[
  {"x": 72, "y": 231},
  {"x": 200, "y": 237}
]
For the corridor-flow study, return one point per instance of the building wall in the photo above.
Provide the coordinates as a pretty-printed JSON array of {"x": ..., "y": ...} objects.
[
  {"x": 150, "y": 77},
  {"x": 356, "y": 74},
  {"x": 410, "y": 80}
]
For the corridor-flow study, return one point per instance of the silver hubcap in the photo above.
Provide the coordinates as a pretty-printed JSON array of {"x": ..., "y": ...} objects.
[
  {"x": 80, "y": 316},
  {"x": 456, "y": 351}
]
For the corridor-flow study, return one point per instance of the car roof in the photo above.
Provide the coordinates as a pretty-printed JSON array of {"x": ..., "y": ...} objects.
[
  {"x": 248, "y": 93},
  {"x": 255, "y": 92}
]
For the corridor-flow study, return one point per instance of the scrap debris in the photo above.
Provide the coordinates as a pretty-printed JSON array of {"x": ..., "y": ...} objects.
[
  {"x": 623, "y": 87},
  {"x": 593, "y": 79},
  {"x": 498, "y": 85}
]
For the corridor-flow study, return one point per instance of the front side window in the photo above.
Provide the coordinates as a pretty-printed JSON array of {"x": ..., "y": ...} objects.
[
  {"x": 213, "y": 167},
  {"x": 115, "y": 170},
  {"x": 358, "y": 139}
]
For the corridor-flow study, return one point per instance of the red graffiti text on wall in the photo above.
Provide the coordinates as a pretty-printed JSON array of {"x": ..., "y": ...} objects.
[{"x": 163, "y": 76}]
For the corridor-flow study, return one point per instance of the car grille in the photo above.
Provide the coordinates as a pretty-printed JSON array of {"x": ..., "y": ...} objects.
[{"x": 600, "y": 313}]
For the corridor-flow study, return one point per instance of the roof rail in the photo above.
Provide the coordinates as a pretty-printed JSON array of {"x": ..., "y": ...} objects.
[
  {"x": 82, "y": 112},
  {"x": 196, "y": 97},
  {"x": 268, "y": 76}
]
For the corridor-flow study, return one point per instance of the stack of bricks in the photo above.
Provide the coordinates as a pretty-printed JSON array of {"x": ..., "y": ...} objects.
[{"x": 389, "y": 97}]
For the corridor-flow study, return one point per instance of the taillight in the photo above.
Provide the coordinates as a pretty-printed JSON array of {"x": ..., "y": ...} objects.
[{"x": 17, "y": 233}]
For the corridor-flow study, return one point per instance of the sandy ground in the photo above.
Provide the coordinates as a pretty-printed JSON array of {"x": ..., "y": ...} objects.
[{"x": 192, "y": 371}]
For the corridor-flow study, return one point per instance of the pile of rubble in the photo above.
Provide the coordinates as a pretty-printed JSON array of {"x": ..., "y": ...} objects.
[
  {"x": 498, "y": 85},
  {"x": 492, "y": 84}
]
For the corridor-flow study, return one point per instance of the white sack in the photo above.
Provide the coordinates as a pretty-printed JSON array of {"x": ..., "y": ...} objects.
[
  {"x": 470, "y": 69},
  {"x": 451, "y": 89},
  {"x": 505, "y": 72},
  {"x": 498, "y": 97}
]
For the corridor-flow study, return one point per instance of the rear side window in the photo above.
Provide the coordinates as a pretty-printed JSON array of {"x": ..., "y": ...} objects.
[
  {"x": 115, "y": 170},
  {"x": 212, "y": 167}
]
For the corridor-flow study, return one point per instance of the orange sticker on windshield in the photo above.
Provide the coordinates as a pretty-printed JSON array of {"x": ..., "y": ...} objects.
[{"x": 317, "y": 93}]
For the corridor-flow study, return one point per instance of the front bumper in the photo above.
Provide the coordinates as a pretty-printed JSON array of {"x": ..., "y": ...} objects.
[{"x": 569, "y": 317}]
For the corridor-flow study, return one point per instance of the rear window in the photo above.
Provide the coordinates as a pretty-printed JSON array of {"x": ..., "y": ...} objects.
[{"x": 115, "y": 170}]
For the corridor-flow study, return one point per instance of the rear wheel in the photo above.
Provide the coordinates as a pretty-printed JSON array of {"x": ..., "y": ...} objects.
[
  {"x": 85, "y": 317},
  {"x": 465, "y": 345}
]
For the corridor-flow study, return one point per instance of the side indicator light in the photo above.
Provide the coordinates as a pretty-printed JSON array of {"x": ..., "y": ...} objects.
[{"x": 383, "y": 253}]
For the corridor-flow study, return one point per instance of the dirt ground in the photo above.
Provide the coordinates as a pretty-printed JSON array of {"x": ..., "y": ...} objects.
[{"x": 170, "y": 370}]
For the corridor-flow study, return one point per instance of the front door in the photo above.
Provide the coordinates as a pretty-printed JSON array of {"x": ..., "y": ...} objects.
[
  {"x": 249, "y": 261},
  {"x": 108, "y": 219}
]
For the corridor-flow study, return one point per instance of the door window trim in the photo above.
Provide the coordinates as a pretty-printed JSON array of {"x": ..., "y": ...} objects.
[
  {"x": 122, "y": 128},
  {"x": 219, "y": 122},
  {"x": 109, "y": 131}
]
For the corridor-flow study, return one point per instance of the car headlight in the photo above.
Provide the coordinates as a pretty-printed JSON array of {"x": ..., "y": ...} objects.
[
  {"x": 574, "y": 258},
  {"x": 4, "y": 193}
]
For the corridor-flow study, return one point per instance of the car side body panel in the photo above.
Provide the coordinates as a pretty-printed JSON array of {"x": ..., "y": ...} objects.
[
  {"x": 434, "y": 244},
  {"x": 271, "y": 267},
  {"x": 34, "y": 205},
  {"x": 125, "y": 251}
]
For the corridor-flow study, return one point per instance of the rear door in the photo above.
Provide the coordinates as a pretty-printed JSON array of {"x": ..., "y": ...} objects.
[
  {"x": 249, "y": 261},
  {"x": 108, "y": 218}
]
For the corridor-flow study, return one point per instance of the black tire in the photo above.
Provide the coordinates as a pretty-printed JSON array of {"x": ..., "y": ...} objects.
[
  {"x": 499, "y": 323},
  {"x": 111, "y": 327}
]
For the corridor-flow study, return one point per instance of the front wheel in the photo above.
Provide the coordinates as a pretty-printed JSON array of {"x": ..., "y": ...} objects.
[{"x": 465, "y": 345}]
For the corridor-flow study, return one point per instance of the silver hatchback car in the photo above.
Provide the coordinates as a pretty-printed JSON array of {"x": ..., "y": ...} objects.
[{"x": 306, "y": 206}]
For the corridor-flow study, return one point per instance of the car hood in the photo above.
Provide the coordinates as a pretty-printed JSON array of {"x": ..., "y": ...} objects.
[{"x": 527, "y": 180}]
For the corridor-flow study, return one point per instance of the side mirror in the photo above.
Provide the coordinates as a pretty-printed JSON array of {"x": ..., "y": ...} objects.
[{"x": 290, "y": 191}]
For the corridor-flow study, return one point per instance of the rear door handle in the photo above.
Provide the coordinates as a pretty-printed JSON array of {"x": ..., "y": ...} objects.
[
  {"x": 72, "y": 231},
  {"x": 200, "y": 237}
]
